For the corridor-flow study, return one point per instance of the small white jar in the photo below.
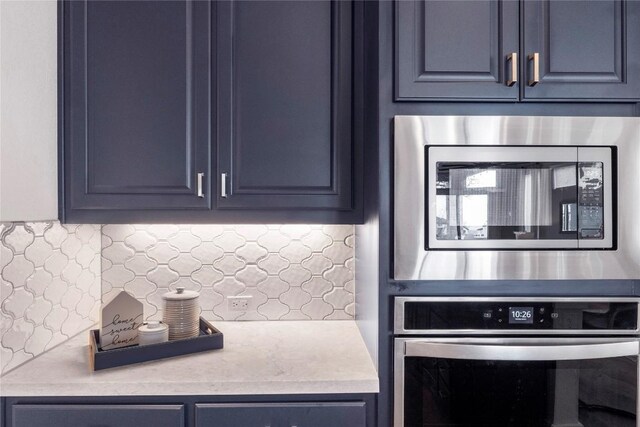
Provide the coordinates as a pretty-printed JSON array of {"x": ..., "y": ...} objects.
[{"x": 153, "y": 332}]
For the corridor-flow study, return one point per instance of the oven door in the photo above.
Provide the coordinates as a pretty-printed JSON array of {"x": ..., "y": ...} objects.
[
  {"x": 534, "y": 382},
  {"x": 513, "y": 197}
]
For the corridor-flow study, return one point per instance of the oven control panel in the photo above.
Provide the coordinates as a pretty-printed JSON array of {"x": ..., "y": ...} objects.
[{"x": 517, "y": 315}]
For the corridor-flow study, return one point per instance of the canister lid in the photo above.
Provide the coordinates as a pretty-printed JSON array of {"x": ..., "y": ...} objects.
[
  {"x": 152, "y": 327},
  {"x": 180, "y": 294}
]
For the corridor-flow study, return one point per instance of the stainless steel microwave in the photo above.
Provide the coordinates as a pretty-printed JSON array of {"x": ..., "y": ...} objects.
[{"x": 479, "y": 197}]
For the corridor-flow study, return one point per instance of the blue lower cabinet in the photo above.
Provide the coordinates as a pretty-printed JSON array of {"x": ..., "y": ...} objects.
[
  {"x": 97, "y": 415},
  {"x": 320, "y": 414}
]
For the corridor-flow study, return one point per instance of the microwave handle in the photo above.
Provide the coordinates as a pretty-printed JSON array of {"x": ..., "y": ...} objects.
[{"x": 519, "y": 352}]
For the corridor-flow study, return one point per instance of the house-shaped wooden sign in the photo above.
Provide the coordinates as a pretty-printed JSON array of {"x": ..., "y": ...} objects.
[{"x": 119, "y": 321}]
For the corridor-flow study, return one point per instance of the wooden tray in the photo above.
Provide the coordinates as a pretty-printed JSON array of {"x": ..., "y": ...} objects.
[{"x": 209, "y": 339}]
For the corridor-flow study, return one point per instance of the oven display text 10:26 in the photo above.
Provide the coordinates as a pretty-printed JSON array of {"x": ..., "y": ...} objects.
[{"x": 521, "y": 315}]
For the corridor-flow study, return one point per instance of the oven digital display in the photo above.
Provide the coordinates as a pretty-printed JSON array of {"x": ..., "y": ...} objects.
[{"x": 521, "y": 315}]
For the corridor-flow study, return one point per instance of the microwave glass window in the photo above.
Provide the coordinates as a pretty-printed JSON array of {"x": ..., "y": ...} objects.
[{"x": 518, "y": 200}]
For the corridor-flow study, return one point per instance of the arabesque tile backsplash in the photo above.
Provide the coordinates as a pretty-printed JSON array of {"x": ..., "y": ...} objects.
[
  {"x": 50, "y": 286},
  {"x": 53, "y": 276},
  {"x": 290, "y": 271}
]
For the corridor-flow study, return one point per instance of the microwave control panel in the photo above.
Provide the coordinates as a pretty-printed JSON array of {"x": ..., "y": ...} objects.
[{"x": 590, "y": 201}]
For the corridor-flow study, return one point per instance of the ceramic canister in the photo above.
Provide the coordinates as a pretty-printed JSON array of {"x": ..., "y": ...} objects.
[
  {"x": 153, "y": 332},
  {"x": 182, "y": 313}
]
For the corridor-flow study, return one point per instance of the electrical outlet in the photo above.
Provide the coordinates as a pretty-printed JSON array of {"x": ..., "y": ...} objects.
[{"x": 239, "y": 303}]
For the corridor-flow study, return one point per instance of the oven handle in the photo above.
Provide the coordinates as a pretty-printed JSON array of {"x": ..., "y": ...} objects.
[{"x": 519, "y": 352}]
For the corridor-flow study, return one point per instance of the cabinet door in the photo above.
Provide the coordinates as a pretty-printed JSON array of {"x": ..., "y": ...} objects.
[
  {"x": 136, "y": 103},
  {"x": 587, "y": 50},
  {"x": 456, "y": 50},
  {"x": 338, "y": 414},
  {"x": 285, "y": 104},
  {"x": 97, "y": 415}
]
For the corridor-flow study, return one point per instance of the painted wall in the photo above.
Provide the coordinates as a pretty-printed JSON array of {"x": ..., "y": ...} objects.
[
  {"x": 292, "y": 272},
  {"x": 28, "y": 111},
  {"x": 49, "y": 286}
]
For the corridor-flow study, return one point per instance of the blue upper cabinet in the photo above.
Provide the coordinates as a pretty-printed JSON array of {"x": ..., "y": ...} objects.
[
  {"x": 532, "y": 50},
  {"x": 136, "y": 105},
  {"x": 457, "y": 50},
  {"x": 582, "y": 50},
  {"x": 198, "y": 111},
  {"x": 285, "y": 104}
]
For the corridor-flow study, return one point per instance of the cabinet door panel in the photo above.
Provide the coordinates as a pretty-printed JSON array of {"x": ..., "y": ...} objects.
[
  {"x": 97, "y": 415},
  {"x": 455, "y": 50},
  {"x": 284, "y": 121},
  {"x": 136, "y": 103},
  {"x": 339, "y": 414},
  {"x": 588, "y": 50}
]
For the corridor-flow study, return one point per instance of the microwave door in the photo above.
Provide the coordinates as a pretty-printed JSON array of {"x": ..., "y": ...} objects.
[{"x": 497, "y": 197}]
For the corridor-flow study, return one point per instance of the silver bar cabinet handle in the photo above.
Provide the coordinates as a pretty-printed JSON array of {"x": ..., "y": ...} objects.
[
  {"x": 535, "y": 57},
  {"x": 523, "y": 352},
  {"x": 200, "y": 184},
  {"x": 223, "y": 185},
  {"x": 513, "y": 57}
]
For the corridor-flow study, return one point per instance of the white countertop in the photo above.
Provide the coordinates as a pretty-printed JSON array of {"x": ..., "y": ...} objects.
[{"x": 278, "y": 357}]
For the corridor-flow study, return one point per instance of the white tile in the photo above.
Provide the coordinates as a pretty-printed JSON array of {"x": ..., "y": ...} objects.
[
  {"x": 295, "y": 231},
  {"x": 38, "y": 251},
  {"x": 17, "y": 302},
  {"x": 317, "y": 309},
  {"x": 317, "y": 286},
  {"x": 19, "y": 357},
  {"x": 317, "y": 240},
  {"x": 117, "y": 275},
  {"x": 38, "y": 341},
  {"x": 18, "y": 270},
  {"x": 273, "y": 263},
  {"x": 295, "y": 252},
  {"x": 207, "y": 232},
  {"x": 19, "y": 238},
  {"x": 5, "y": 358},
  {"x": 295, "y": 275},
  {"x": 251, "y": 232},
  {"x": 251, "y": 275},
  {"x": 71, "y": 271},
  {"x": 162, "y": 276},
  {"x": 6, "y": 255},
  {"x": 207, "y": 252},
  {"x": 273, "y": 309},
  {"x": 140, "y": 264},
  {"x": 117, "y": 252},
  {"x": 85, "y": 305},
  {"x": 55, "y": 235},
  {"x": 251, "y": 252},
  {"x": 118, "y": 232},
  {"x": 184, "y": 241},
  {"x": 39, "y": 281},
  {"x": 295, "y": 315},
  {"x": 229, "y": 286},
  {"x": 184, "y": 264},
  {"x": 338, "y": 232},
  {"x": 140, "y": 240},
  {"x": 229, "y": 264},
  {"x": 162, "y": 231},
  {"x": 317, "y": 264},
  {"x": 163, "y": 252},
  {"x": 54, "y": 292},
  {"x": 209, "y": 299},
  {"x": 56, "y": 262},
  {"x": 85, "y": 256},
  {"x": 85, "y": 232},
  {"x": 338, "y": 252},
  {"x": 71, "y": 298},
  {"x": 338, "y": 298},
  {"x": 38, "y": 310},
  {"x": 273, "y": 286},
  {"x": 229, "y": 241},
  {"x": 207, "y": 276},
  {"x": 16, "y": 337},
  {"x": 6, "y": 288},
  {"x": 295, "y": 298},
  {"x": 339, "y": 275},
  {"x": 71, "y": 246},
  {"x": 273, "y": 240}
]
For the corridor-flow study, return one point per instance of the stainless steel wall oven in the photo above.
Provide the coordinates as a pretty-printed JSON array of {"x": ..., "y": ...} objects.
[
  {"x": 516, "y": 198},
  {"x": 534, "y": 362}
]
